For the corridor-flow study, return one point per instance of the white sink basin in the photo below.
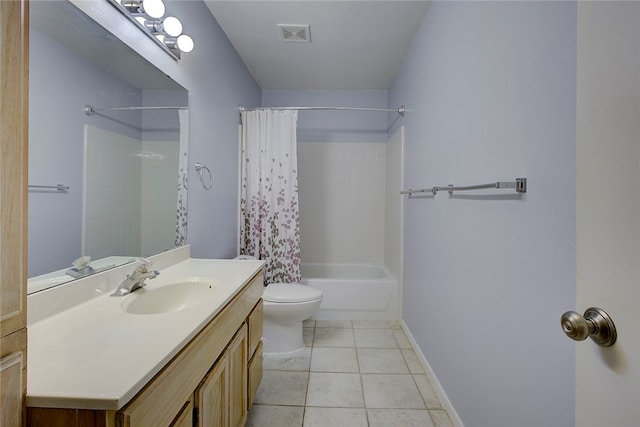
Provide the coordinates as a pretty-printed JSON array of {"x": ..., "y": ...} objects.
[{"x": 177, "y": 294}]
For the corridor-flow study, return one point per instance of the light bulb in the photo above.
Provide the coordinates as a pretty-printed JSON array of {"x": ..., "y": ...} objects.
[
  {"x": 172, "y": 26},
  {"x": 185, "y": 43},
  {"x": 153, "y": 8}
]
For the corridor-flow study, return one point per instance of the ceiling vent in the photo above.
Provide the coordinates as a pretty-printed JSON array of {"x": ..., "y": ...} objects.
[{"x": 294, "y": 33}]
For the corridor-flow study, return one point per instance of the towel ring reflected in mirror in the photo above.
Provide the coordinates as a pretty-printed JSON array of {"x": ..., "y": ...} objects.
[{"x": 207, "y": 183}]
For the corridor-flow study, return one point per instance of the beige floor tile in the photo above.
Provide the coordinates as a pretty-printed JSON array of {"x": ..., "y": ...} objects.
[
  {"x": 395, "y": 324},
  {"x": 441, "y": 418},
  {"x": 371, "y": 324},
  {"x": 415, "y": 367},
  {"x": 307, "y": 336},
  {"x": 282, "y": 388},
  {"x": 333, "y": 337},
  {"x": 334, "y": 359},
  {"x": 335, "y": 417},
  {"x": 351, "y": 373},
  {"x": 335, "y": 390},
  {"x": 333, "y": 323},
  {"x": 391, "y": 391},
  {"x": 281, "y": 416},
  {"x": 401, "y": 339},
  {"x": 381, "y": 361},
  {"x": 399, "y": 417},
  {"x": 428, "y": 393},
  {"x": 374, "y": 338},
  {"x": 295, "y": 361}
]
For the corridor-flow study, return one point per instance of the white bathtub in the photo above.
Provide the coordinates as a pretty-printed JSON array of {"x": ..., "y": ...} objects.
[{"x": 353, "y": 291}]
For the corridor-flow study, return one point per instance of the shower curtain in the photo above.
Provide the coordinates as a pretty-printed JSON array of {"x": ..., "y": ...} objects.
[
  {"x": 183, "y": 185},
  {"x": 270, "y": 221}
]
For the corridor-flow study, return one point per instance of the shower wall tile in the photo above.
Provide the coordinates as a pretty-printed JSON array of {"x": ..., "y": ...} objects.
[
  {"x": 112, "y": 172},
  {"x": 159, "y": 195},
  {"x": 342, "y": 202},
  {"x": 393, "y": 214}
]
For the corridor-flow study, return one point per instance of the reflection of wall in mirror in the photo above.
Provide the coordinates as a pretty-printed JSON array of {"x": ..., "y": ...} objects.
[
  {"x": 61, "y": 83},
  {"x": 140, "y": 176}
]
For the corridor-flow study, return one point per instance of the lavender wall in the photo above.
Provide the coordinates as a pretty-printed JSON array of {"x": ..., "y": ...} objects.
[
  {"x": 491, "y": 88},
  {"x": 60, "y": 83}
]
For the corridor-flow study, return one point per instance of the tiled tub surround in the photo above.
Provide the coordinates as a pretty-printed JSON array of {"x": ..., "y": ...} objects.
[
  {"x": 80, "y": 340},
  {"x": 350, "y": 374}
]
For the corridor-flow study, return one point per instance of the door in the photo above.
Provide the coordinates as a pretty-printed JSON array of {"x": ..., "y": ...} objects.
[{"x": 608, "y": 209}]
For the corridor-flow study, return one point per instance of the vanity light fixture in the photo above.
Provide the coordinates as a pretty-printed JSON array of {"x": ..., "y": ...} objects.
[
  {"x": 166, "y": 32},
  {"x": 169, "y": 26},
  {"x": 182, "y": 42},
  {"x": 153, "y": 8}
]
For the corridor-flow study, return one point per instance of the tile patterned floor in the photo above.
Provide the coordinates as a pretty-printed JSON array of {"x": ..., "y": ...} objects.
[{"x": 350, "y": 374}]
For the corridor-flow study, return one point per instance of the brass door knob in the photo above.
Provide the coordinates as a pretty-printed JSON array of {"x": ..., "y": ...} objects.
[{"x": 595, "y": 323}]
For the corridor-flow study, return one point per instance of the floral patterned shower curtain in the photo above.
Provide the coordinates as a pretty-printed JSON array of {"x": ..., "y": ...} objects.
[
  {"x": 183, "y": 175},
  {"x": 270, "y": 220}
]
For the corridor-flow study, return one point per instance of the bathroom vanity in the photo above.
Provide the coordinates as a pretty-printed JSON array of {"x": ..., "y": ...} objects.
[{"x": 185, "y": 350}]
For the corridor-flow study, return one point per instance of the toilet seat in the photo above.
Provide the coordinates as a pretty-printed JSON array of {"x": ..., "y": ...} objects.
[{"x": 290, "y": 293}]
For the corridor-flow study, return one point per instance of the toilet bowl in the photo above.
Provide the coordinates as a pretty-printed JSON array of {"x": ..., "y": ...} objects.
[{"x": 286, "y": 305}]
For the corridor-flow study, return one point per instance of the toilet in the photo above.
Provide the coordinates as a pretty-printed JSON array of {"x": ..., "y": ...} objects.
[{"x": 286, "y": 305}]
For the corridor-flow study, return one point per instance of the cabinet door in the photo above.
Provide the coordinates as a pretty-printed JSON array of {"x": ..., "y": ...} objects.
[
  {"x": 255, "y": 374},
  {"x": 185, "y": 417},
  {"x": 12, "y": 375},
  {"x": 14, "y": 56},
  {"x": 212, "y": 396},
  {"x": 14, "y": 100},
  {"x": 238, "y": 361},
  {"x": 255, "y": 324}
]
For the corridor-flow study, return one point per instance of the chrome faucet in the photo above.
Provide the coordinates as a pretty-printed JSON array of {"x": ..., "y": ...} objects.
[{"x": 136, "y": 279}]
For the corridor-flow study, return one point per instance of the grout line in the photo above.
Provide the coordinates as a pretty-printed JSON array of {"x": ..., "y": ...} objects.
[
  {"x": 360, "y": 374},
  {"x": 306, "y": 395}
]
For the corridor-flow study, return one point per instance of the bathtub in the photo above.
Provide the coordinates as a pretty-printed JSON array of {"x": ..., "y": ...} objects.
[{"x": 353, "y": 291}]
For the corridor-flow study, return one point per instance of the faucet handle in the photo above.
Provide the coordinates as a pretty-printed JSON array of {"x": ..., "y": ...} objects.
[
  {"x": 143, "y": 264},
  {"x": 82, "y": 262}
]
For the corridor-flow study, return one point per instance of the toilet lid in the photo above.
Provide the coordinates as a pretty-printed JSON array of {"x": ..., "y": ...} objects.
[{"x": 290, "y": 292}]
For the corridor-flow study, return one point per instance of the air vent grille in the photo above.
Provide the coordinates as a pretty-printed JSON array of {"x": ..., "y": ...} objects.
[{"x": 294, "y": 33}]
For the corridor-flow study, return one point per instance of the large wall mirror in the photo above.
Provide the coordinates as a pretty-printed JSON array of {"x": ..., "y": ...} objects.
[{"x": 125, "y": 169}]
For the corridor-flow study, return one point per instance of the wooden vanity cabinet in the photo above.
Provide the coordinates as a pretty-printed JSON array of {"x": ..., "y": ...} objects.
[
  {"x": 14, "y": 114},
  {"x": 255, "y": 351},
  {"x": 212, "y": 371},
  {"x": 185, "y": 417},
  {"x": 212, "y": 397},
  {"x": 206, "y": 384},
  {"x": 221, "y": 398}
]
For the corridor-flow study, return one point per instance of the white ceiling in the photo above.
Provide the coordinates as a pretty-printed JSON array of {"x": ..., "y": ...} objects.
[{"x": 354, "y": 45}]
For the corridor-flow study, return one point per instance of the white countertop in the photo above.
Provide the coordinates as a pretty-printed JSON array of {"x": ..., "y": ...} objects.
[{"x": 94, "y": 355}]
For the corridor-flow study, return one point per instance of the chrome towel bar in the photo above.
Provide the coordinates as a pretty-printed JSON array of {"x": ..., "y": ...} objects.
[
  {"x": 520, "y": 185},
  {"x": 58, "y": 187}
]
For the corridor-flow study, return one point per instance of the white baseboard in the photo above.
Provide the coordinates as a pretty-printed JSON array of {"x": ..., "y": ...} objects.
[{"x": 437, "y": 387}]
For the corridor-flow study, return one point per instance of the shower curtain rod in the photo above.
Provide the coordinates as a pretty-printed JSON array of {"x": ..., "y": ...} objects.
[
  {"x": 400, "y": 110},
  {"x": 90, "y": 110}
]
